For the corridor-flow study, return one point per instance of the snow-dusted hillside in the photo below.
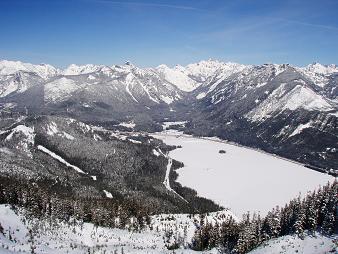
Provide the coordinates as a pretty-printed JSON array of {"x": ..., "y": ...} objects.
[
  {"x": 319, "y": 73},
  {"x": 43, "y": 236},
  {"x": 290, "y": 244},
  {"x": 22, "y": 235},
  {"x": 280, "y": 100},
  {"x": 177, "y": 77},
  {"x": 18, "y": 82}
]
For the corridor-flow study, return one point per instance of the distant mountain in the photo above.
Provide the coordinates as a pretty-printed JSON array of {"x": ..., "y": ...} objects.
[
  {"x": 90, "y": 92},
  {"x": 278, "y": 108},
  {"x": 45, "y": 71},
  {"x": 193, "y": 75},
  {"x": 74, "y": 69},
  {"x": 287, "y": 110}
]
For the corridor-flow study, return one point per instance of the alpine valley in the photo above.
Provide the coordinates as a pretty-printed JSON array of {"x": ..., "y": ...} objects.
[{"x": 122, "y": 159}]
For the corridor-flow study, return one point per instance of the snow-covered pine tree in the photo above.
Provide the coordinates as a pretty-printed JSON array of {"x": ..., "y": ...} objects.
[
  {"x": 228, "y": 235},
  {"x": 330, "y": 209},
  {"x": 248, "y": 238},
  {"x": 299, "y": 215},
  {"x": 258, "y": 229},
  {"x": 311, "y": 212},
  {"x": 196, "y": 243},
  {"x": 213, "y": 235}
]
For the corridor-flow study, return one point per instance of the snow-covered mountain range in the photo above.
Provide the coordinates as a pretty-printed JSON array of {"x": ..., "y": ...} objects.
[
  {"x": 76, "y": 150},
  {"x": 276, "y": 107},
  {"x": 205, "y": 75}
]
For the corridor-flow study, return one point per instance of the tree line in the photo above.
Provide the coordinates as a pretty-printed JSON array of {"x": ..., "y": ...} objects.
[
  {"x": 316, "y": 212},
  {"x": 40, "y": 202}
]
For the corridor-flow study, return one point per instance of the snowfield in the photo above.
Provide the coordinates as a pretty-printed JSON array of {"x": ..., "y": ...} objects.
[
  {"x": 242, "y": 179},
  {"x": 292, "y": 244},
  {"x": 59, "y": 237},
  {"x": 60, "y": 159}
]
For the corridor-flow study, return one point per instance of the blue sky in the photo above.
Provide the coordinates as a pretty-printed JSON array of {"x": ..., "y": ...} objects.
[{"x": 151, "y": 32}]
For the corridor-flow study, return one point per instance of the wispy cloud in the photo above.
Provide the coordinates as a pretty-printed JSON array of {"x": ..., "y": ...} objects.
[
  {"x": 310, "y": 24},
  {"x": 271, "y": 25},
  {"x": 148, "y": 4}
]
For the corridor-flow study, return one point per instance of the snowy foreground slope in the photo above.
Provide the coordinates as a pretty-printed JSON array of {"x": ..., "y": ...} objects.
[
  {"x": 44, "y": 236},
  {"x": 20, "y": 235},
  {"x": 292, "y": 244},
  {"x": 242, "y": 179}
]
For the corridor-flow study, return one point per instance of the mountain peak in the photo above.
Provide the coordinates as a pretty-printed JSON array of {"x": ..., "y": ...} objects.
[
  {"x": 318, "y": 68},
  {"x": 45, "y": 71},
  {"x": 74, "y": 69}
]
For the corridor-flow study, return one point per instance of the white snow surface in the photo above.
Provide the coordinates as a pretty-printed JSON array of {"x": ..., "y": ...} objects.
[
  {"x": 52, "y": 129},
  {"x": 27, "y": 140},
  {"x": 74, "y": 69},
  {"x": 155, "y": 152},
  {"x": 18, "y": 82},
  {"x": 166, "y": 181},
  {"x": 300, "y": 128},
  {"x": 302, "y": 97},
  {"x": 28, "y": 132},
  {"x": 167, "y": 99},
  {"x": 291, "y": 244},
  {"x": 200, "y": 96},
  {"x": 130, "y": 81},
  {"x": 108, "y": 194},
  {"x": 280, "y": 100},
  {"x": 242, "y": 179},
  {"x": 177, "y": 77},
  {"x": 128, "y": 124},
  {"x": 166, "y": 125},
  {"x": 66, "y": 135},
  {"x": 59, "y": 158},
  {"x": 59, "y": 89},
  {"x": 91, "y": 77},
  {"x": 319, "y": 73},
  {"x": 205, "y": 69},
  {"x": 318, "y": 68},
  {"x": 60, "y": 237},
  {"x": 43, "y": 70},
  {"x": 188, "y": 78}
]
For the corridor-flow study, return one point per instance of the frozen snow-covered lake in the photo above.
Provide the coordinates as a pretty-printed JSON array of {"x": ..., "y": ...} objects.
[{"x": 242, "y": 179}]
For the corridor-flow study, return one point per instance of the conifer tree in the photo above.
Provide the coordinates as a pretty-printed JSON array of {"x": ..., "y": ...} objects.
[
  {"x": 311, "y": 212},
  {"x": 329, "y": 218}
]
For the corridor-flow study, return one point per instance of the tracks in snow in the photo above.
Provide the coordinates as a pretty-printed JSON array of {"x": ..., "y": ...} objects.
[{"x": 166, "y": 181}]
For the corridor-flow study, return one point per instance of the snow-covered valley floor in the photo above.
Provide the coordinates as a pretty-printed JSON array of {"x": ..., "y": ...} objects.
[{"x": 241, "y": 179}]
